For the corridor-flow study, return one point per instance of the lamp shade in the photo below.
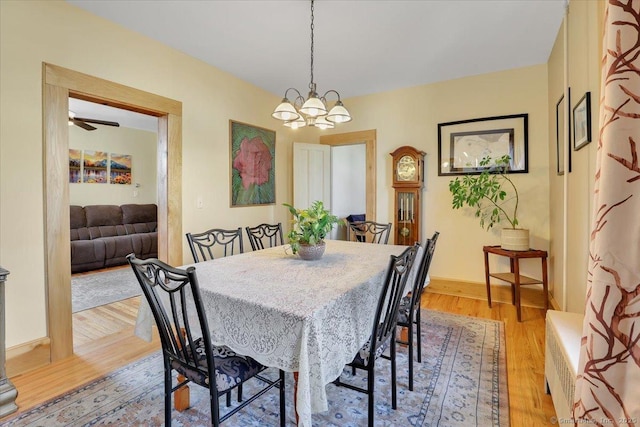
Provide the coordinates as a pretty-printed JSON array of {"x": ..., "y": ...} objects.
[
  {"x": 322, "y": 123},
  {"x": 285, "y": 111},
  {"x": 313, "y": 107},
  {"x": 295, "y": 124},
  {"x": 338, "y": 114}
]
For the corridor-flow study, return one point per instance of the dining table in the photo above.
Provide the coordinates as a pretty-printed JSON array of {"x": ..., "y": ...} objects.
[{"x": 305, "y": 317}]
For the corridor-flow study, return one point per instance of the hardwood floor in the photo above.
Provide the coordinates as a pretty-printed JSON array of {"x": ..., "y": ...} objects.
[{"x": 104, "y": 341}]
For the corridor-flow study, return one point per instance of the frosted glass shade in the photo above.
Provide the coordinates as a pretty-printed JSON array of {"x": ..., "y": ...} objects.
[
  {"x": 285, "y": 111},
  {"x": 313, "y": 107},
  {"x": 339, "y": 114}
]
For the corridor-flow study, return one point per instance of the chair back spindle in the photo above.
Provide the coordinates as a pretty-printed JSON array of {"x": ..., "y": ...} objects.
[
  {"x": 397, "y": 274},
  {"x": 202, "y": 244},
  {"x": 265, "y": 236},
  {"x": 369, "y": 232}
]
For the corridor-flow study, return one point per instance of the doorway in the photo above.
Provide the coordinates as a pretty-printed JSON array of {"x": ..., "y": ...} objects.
[
  {"x": 368, "y": 138},
  {"x": 59, "y": 85}
]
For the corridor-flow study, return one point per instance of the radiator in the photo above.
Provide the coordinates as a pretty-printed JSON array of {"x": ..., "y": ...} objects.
[{"x": 562, "y": 351}]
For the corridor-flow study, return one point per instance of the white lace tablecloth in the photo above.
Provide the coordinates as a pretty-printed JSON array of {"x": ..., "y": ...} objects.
[{"x": 309, "y": 317}]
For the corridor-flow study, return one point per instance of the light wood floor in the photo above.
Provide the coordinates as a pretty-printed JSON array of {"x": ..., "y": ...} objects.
[{"x": 104, "y": 341}]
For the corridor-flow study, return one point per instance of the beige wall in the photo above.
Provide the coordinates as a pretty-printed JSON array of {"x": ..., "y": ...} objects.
[
  {"x": 33, "y": 32},
  {"x": 584, "y": 22},
  {"x": 411, "y": 116},
  {"x": 55, "y": 32},
  {"x": 141, "y": 145}
]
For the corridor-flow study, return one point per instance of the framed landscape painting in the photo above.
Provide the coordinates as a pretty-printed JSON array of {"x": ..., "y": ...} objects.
[{"x": 253, "y": 160}]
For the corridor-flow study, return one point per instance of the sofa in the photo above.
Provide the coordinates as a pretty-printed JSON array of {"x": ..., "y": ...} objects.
[{"x": 103, "y": 235}]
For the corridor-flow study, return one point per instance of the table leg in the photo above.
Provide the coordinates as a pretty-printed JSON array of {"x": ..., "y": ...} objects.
[
  {"x": 295, "y": 396},
  {"x": 545, "y": 284},
  {"x": 516, "y": 272},
  {"x": 181, "y": 396},
  {"x": 486, "y": 275},
  {"x": 513, "y": 286}
]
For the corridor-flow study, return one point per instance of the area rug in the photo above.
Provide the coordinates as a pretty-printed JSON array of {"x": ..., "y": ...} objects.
[
  {"x": 460, "y": 382},
  {"x": 104, "y": 287}
]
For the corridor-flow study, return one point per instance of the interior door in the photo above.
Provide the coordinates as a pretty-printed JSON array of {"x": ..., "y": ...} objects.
[{"x": 311, "y": 174}]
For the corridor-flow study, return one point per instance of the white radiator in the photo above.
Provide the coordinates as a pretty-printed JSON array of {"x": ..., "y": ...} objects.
[{"x": 562, "y": 351}]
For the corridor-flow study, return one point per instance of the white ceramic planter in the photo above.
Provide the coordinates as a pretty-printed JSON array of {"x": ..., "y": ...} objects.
[{"x": 515, "y": 239}]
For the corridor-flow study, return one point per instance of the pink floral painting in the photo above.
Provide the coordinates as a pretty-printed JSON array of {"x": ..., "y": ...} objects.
[{"x": 252, "y": 165}]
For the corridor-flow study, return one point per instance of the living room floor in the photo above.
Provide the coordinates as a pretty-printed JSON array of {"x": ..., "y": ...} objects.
[{"x": 104, "y": 341}]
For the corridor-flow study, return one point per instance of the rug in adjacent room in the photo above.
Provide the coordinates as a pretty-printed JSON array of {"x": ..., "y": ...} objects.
[
  {"x": 103, "y": 287},
  {"x": 462, "y": 381}
]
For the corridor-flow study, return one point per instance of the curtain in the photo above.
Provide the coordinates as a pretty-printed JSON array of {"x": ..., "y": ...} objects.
[{"x": 608, "y": 384}]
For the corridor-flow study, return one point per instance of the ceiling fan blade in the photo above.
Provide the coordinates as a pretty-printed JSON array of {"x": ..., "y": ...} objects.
[
  {"x": 98, "y": 122},
  {"x": 82, "y": 124}
]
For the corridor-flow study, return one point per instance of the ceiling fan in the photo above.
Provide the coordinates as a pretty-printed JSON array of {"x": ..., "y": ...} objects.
[{"x": 84, "y": 122}]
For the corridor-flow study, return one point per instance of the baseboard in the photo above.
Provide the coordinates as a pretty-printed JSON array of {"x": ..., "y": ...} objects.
[
  {"x": 25, "y": 357},
  {"x": 530, "y": 296}
]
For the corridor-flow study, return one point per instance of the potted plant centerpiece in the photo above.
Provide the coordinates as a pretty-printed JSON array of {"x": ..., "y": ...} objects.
[
  {"x": 310, "y": 227},
  {"x": 494, "y": 196}
]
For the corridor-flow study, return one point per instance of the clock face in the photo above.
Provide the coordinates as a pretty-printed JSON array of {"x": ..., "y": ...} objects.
[{"x": 406, "y": 169}]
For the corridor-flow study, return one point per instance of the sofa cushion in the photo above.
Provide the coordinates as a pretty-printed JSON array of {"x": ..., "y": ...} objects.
[
  {"x": 87, "y": 255},
  {"x": 77, "y": 217},
  {"x": 133, "y": 214},
  {"x": 101, "y": 215}
]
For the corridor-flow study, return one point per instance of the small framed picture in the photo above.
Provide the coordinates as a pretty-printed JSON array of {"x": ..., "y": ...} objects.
[
  {"x": 563, "y": 139},
  {"x": 582, "y": 122}
]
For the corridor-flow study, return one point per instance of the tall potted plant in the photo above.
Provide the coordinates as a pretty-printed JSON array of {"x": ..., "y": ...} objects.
[
  {"x": 495, "y": 199},
  {"x": 310, "y": 227}
]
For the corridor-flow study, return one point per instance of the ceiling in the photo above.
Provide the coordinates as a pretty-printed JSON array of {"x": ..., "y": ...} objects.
[{"x": 361, "y": 46}]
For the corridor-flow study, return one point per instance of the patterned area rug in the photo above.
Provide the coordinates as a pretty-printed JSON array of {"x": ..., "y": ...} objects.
[
  {"x": 105, "y": 287},
  {"x": 460, "y": 382}
]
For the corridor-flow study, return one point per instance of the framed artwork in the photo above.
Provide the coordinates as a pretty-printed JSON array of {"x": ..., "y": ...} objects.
[
  {"x": 582, "y": 122},
  {"x": 120, "y": 169},
  {"x": 463, "y": 144},
  {"x": 563, "y": 139},
  {"x": 94, "y": 167},
  {"x": 253, "y": 161},
  {"x": 75, "y": 162}
]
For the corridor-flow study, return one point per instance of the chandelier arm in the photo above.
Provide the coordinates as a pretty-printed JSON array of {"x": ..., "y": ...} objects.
[
  {"x": 324, "y": 97},
  {"x": 293, "y": 89}
]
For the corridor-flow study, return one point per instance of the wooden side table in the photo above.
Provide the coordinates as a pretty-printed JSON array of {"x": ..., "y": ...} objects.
[{"x": 514, "y": 277}]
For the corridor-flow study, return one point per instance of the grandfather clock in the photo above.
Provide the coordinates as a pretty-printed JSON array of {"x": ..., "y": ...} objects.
[{"x": 408, "y": 170}]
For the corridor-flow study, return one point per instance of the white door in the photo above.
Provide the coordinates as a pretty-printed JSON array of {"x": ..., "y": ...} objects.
[{"x": 311, "y": 174}]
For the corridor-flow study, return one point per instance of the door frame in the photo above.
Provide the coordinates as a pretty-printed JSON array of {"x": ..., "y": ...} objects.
[
  {"x": 368, "y": 137},
  {"x": 58, "y": 85}
]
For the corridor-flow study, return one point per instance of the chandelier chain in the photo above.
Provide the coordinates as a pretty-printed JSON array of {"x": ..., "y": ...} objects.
[{"x": 311, "y": 83}]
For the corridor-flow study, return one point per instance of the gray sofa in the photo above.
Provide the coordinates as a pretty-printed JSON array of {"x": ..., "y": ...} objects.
[{"x": 103, "y": 235}]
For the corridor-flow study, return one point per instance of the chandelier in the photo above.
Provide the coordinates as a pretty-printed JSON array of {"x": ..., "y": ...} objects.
[{"x": 312, "y": 111}]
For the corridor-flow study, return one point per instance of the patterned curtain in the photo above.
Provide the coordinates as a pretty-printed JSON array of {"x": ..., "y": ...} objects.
[{"x": 608, "y": 384}]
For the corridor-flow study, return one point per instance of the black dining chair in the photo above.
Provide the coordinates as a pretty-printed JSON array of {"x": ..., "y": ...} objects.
[
  {"x": 383, "y": 334},
  {"x": 179, "y": 318},
  {"x": 369, "y": 232},
  {"x": 202, "y": 244},
  {"x": 265, "y": 236},
  {"x": 409, "y": 313}
]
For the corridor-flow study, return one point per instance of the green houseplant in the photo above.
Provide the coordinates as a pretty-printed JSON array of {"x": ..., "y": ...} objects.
[
  {"x": 495, "y": 198},
  {"x": 310, "y": 227}
]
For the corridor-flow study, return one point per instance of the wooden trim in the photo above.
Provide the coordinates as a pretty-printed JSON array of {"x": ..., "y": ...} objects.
[
  {"x": 25, "y": 357},
  {"x": 58, "y": 84},
  {"x": 529, "y": 296},
  {"x": 57, "y": 235},
  {"x": 368, "y": 137},
  {"x": 94, "y": 89}
]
